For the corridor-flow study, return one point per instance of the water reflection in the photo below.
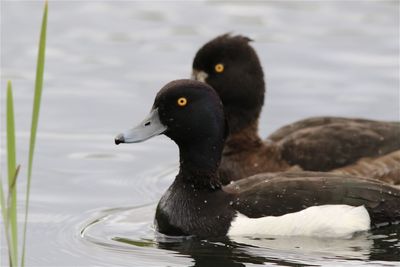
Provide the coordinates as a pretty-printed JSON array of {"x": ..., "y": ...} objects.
[
  {"x": 218, "y": 252},
  {"x": 386, "y": 245},
  {"x": 227, "y": 252}
]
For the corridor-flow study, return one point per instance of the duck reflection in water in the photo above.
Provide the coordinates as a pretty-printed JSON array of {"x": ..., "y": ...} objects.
[{"x": 282, "y": 251}]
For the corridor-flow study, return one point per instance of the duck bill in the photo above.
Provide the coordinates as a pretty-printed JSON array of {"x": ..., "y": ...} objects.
[
  {"x": 151, "y": 126},
  {"x": 199, "y": 75}
]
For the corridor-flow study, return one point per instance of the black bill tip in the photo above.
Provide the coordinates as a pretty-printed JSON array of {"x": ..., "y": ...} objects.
[{"x": 119, "y": 139}]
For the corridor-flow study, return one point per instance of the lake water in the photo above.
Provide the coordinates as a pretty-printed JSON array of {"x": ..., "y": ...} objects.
[{"x": 92, "y": 203}]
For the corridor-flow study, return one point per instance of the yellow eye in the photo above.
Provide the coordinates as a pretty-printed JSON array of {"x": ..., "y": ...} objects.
[
  {"x": 182, "y": 101},
  {"x": 219, "y": 68}
]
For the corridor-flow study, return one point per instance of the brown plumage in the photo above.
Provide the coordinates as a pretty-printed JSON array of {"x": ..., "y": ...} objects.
[
  {"x": 385, "y": 168},
  {"x": 313, "y": 144},
  {"x": 327, "y": 147}
]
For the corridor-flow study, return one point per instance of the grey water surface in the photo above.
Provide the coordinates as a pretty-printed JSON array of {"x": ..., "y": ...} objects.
[{"x": 92, "y": 203}]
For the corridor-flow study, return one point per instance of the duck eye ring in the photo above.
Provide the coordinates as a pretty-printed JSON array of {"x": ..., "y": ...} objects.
[
  {"x": 219, "y": 67},
  {"x": 182, "y": 101}
]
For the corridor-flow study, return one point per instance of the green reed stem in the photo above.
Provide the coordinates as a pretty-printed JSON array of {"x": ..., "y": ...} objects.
[
  {"x": 35, "y": 118},
  {"x": 3, "y": 203},
  {"x": 12, "y": 190},
  {"x": 4, "y": 213}
]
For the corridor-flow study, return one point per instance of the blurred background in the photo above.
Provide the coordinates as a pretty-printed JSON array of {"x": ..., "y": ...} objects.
[{"x": 106, "y": 60}]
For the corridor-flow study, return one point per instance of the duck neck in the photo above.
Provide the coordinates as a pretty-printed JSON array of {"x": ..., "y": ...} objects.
[
  {"x": 245, "y": 139},
  {"x": 199, "y": 163}
]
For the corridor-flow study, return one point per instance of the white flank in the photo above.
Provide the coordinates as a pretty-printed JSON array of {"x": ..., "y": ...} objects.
[{"x": 338, "y": 221}]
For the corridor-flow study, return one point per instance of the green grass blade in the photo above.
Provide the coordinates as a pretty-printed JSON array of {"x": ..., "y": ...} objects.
[
  {"x": 3, "y": 203},
  {"x": 11, "y": 161},
  {"x": 35, "y": 118},
  {"x": 4, "y": 212},
  {"x": 13, "y": 254}
]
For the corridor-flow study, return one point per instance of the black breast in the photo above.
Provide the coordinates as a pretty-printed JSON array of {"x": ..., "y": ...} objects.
[{"x": 187, "y": 210}]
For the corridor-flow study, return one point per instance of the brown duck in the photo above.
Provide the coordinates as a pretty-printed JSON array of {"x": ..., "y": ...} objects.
[{"x": 345, "y": 145}]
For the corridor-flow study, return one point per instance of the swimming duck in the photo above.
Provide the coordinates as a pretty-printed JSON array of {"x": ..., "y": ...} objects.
[
  {"x": 196, "y": 204},
  {"x": 231, "y": 66}
]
